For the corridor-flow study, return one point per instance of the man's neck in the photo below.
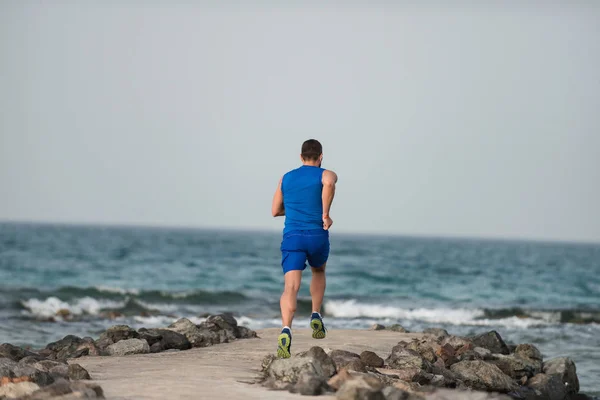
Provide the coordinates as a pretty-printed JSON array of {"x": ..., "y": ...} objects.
[{"x": 311, "y": 163}]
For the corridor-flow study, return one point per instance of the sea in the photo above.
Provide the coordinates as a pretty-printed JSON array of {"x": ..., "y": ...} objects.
[{"x": 66, "y": 279}]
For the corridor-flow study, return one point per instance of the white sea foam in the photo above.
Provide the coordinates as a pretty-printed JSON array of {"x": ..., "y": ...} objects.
[
  {"x": 154, "y": 321},
  {"x": 51, "y": 305},
  {"x": 454, "y": 316}
]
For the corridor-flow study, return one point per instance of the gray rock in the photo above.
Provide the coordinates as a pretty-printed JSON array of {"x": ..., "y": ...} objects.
[
  {"x": 16, "y": 353},
  {"x": 456, "y": 342},
  {"x": 480, "y": 375},
  {"x": 358, "y": 389},
  {"x": 310, "y": 384},
  {"x": 316, "y": 362},
  {"x": 528, "y": 351},
  {"x": 128, "y": 347},
  {"x": 377, "y": 327},
  {"x": 41, "y": 378},
  {"x": 398, "y": 328},
  {"x": 401, "y": 358},
  {"x": 150, "y": 336},
  {"x": 102, "y": 343},
  {"x": 347, "y": 360},
  {"x": 68, "y": 390},
  {"x": 30, "y": 360},
  {"x": 17, "y": 390},
  {"x": 46, "y": 365},
  {"x": 438, "y": 333},
  {"x": 393, "y": 393},
  {"x": 76, "y": 372},
  {"x": 371, "y": 359},
  {"x": 550, "y": 386},
  {"x": 168, "y": 340},
  {"x": 485, "y": 354},
  {"x": 119, "y": 332},
  {"x": 67, "y": 347},
  {"x": 6, "y": 367},
  {"x": 565, "y": 369},
  {"x": 245, "y": 333},
  {"x": 515, "y": 366},
  {"x": 196, "y": 336},
  {"x": 60, "y": 371},
  {"x": 491, "y": 341}
]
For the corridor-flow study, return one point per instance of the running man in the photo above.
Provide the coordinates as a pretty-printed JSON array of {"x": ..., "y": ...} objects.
[{"x": 304, "y": 196}]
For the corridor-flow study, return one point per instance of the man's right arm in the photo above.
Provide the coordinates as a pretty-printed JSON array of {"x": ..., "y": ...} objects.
[{"x": 329, "y": 180}]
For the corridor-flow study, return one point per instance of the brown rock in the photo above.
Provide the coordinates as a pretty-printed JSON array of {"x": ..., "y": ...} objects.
[
  {"x": 480, "y": 375},
  {"x": 491, "y": 341},
  {"x": 457, "y": 342},
  {"x": 371, "y": 359},
  {"x": 550, "y": 386},
  {"x": 338, "y": 379},
  {"x": 377, "y": 327}
]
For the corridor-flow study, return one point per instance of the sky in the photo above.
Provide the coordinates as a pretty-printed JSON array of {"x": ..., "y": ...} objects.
[{"x": 470, "y": 119}]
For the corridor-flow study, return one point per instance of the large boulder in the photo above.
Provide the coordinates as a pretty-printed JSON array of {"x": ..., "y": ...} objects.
[
  {"x": 491, "y": 341},
  {"x": 77, "y": 372},
  {"x": 119, "y": 332},
  {"x": 310, "y": 384},
  {"x": 480, "y": 375},
  {"x": 565, "y": 369},
  {"x": 128, "y": 347},
  {"x": 550, "y": 387},
  {"x": 371, "y": 359}
]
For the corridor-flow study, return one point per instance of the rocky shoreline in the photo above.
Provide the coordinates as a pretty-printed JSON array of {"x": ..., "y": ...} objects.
[
  {"x": 434, "y": 366},
  {"x": 50, "y": 373},
  {"x": 438, "y": 366}
]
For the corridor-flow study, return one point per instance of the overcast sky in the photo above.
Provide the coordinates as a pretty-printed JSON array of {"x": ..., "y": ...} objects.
[{"x": 463, "y": 120}]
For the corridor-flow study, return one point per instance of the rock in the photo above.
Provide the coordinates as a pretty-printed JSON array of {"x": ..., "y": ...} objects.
[
  {"x": 447, "y": 354},
  {"x": 448, "y": 394},
  {"x": 456, "y": 342},
  {"x": 410, "y": 387},
  {"x": 316, "y": 361},
  {"x": 6, "y": 367},
  {"x": 338, "y": 379},
  {"x": 195, "y": 336},
  {"x": 150, "y": 336},
  {"x": 168, "y": 340},
  {"x": 359, "y": 388},
  {"x": 310, "y": 384},
  {"x": 29, "y": 373},
  {"x": 401, "y": 358},
  {"x": 30, "y": 360},
  {"x": 88, "y": 346},
  {"x": 17, "y": 390},
  {"x": 77, "y": 372},
  {"x": 60, "y": 371},
  {"x": 480, "y": 375},
  {"x": 67, "y": 347},
  {"x": 393, "y": 393},
  {"x": 371, "y": 359},
  {"x": 128, "y": 347},
  {"x": 119, "y": 332},
  {"x": 528, "y": 351},
  {"x": 16, "y": 353},
  {"x": 565, "y": 369},
  {"x": 245, "y": 333},
  {"x": 397, "y": 328},
  {"x": 485, "y": 354},
  {"x": 348, "y": 360},
  {"x": 491, "y": 341},
  {"x": 427, "y": 348},
  {"x": 550, "y": 386},
  {"x": 438, "y": 333},
  {"x": 46, "y": 365},
  {"x": 70, "y": 390},
  {"x": 377, "y": 327},
  {"x": 515, "y": 366},
  {"x": 405, "y": 374},
  {"x": 102, "y": 343}
]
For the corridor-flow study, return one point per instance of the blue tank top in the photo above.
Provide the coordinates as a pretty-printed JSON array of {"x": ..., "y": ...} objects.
[{"x": 302, "y": 189}]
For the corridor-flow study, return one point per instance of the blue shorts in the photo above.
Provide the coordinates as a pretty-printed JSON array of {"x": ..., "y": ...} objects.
[{"x": 298, "y": 247}]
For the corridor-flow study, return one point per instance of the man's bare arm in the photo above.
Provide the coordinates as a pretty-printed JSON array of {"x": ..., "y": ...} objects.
[
  {"x": 277, "y": 209},
  {"x": 329, "y": 180}
]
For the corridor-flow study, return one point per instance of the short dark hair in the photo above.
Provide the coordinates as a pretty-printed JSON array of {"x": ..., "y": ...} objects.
[{"x": 311, "y": 150}]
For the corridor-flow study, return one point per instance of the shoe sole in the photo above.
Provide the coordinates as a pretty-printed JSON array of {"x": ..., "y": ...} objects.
[
  {"x": 317, "y": 327},
  {"x": 283, "y": 348}
]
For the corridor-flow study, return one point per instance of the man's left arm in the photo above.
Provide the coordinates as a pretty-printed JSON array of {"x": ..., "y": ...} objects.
[{"x": 277, "y": 209}]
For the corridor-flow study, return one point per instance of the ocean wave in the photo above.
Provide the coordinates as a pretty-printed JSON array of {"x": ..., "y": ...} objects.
[
  {"x": 55, "y": 307},
  {"x": 449, "y": 316}
]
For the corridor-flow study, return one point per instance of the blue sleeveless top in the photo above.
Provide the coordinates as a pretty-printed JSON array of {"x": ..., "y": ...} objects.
[{"x": 302, "y": 189}]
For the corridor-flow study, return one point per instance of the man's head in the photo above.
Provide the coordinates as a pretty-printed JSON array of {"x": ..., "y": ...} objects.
[{"x": 312, "y": 152}]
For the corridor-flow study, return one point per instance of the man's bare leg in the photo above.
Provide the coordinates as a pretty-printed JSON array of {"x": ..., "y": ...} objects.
[
  {"x": 317, "y": 287},
  {"x": 288, "y": 300}
]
